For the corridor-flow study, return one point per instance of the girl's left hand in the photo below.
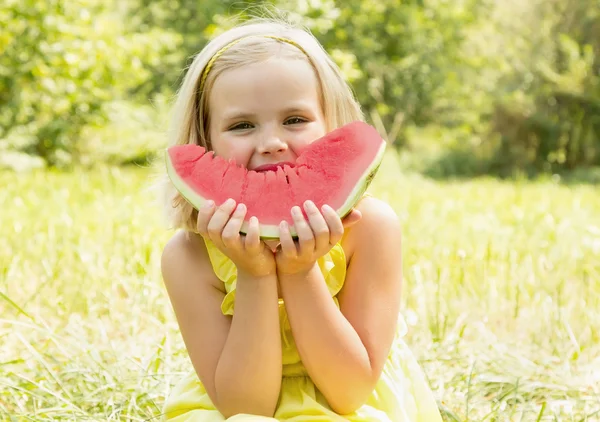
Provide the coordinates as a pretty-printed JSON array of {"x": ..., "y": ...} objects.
[{"x": 316, "y": 237}]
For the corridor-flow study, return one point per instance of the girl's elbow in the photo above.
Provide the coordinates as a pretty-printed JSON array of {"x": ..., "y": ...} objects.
[
  {"x": 257, "y": 403},
  {"x": 347, "y": 404},
  {"x": 254, "y": 409},
  {"x": 247, "y": 412}
]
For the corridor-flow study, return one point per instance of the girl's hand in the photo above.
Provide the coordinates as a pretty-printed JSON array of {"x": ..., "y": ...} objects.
[
  {"x": 248, "y": 253},
  {"x": 316, "y": 237}
]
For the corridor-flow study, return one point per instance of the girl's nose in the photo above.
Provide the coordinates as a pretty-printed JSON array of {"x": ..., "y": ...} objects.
[{"x": 272, "y": 145}]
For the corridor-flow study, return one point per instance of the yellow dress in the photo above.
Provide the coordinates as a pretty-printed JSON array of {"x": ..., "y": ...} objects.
[{"x": 401, "y": 395}]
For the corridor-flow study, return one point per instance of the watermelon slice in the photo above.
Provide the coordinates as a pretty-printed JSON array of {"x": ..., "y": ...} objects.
[{"x": 335, "y": 170}]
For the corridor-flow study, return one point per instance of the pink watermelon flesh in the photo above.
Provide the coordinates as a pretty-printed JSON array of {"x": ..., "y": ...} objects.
[{"x": 335, "y": 170}]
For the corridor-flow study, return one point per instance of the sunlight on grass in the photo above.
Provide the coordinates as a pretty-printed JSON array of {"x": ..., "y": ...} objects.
[{"x": 501, "y": 295}]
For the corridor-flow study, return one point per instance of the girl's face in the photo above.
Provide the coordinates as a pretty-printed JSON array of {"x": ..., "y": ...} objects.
[{"x": 266, "y": 113}]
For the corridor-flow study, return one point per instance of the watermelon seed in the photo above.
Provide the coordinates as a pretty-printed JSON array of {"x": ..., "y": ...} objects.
[{"x": 287, "y": 179}]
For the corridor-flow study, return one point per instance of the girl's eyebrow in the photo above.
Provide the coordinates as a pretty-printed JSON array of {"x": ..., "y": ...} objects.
[
  {"x": 238, "y": 114},
  {"x": 241, "y": 114},
  {"x": 297, "y": 107}
]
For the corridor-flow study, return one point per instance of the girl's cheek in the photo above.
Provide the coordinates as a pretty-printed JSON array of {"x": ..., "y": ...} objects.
[
  {"x": 299, "y": 145},
  {"x": 241, "y": 156},
  {"x": 229, "y": 149}
]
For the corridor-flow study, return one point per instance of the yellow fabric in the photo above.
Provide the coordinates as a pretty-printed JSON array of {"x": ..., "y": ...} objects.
[{"x": 401, "y": 395}]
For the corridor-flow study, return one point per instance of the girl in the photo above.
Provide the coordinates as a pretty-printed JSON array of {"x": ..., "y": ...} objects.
[{"x": 286, "y": 330}]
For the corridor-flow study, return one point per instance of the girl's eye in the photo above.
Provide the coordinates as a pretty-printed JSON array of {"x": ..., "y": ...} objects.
[
  {"x": 241, "y": 126},
  {"x": 295, "y": 120}
]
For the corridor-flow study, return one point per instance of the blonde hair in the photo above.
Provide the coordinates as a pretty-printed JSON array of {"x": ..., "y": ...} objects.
[{"x": 191, "y": 112}]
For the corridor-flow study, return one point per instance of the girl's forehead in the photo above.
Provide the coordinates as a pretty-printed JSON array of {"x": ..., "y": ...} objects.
[
  {"x": 275, "y": 69},
  {"x": 266, "y": 83}
]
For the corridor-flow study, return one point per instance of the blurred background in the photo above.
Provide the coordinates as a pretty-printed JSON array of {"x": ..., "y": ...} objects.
[
  {"x": 462, "y": 87},
  {"x": 492, "y": 114}
]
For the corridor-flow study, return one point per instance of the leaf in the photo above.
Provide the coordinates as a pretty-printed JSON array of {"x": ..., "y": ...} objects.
[{"x": 17, "y": 307}]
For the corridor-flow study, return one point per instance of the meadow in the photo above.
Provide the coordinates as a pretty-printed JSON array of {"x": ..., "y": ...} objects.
[{"x": 501, "y": 294}]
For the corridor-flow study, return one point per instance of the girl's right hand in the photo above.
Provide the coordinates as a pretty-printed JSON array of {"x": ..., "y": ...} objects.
[{"x": 248, "y": 253}]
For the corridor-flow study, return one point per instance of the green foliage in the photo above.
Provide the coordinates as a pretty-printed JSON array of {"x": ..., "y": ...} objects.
[
  {"x": 61, "y": 62},
  {"x": 551, "y": 122},
  {"x": 190, "y": 20},
  {"x": 491, "y": 87}
]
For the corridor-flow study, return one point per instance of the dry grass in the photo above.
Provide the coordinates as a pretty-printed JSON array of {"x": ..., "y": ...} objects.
[{"x": 502, "y": 295}]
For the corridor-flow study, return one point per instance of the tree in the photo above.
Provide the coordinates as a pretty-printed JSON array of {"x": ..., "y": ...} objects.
[{"x": 61, "y": 62}]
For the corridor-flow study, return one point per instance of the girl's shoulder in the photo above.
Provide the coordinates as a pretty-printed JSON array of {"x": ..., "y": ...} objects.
[
  {"x": 185, "y": 256},
  {"x": 379, "y": 226}
]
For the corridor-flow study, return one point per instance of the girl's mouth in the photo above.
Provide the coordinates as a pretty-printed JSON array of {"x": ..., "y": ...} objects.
[{"x": 273, "y": 167}]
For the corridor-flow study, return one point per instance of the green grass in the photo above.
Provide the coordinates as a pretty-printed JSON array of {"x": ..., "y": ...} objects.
[{"x": 501, "y": 293}]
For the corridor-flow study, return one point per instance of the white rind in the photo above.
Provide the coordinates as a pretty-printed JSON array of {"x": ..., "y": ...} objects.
[
  {"x": 272, "y": 231},
  {"x": 361, "y": 185}
]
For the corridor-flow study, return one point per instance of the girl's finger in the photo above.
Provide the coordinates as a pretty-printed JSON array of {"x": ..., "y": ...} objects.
[
  {"x": 352, "y": 218},
  {"x": 252, "y": 241},
  {"x": 318, "y": 225},
  {"x": 306, "y": 239},
  {"x": 288, "y": 246},
  {"x": 336, "y": 228},
  {"x": 204, "y": 215},
  {"x": 219, "y": 219},
  {"x": 231, "y": 232}
]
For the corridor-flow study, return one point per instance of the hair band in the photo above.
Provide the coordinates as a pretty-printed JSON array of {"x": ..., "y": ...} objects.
[{"x": 223, "y": 49}]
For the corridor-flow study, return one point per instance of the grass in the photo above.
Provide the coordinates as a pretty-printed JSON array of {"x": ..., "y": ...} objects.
[{"x": 501, "y": 293}]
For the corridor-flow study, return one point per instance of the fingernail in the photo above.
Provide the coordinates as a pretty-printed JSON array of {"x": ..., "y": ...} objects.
[
  {"x": 326, "y": 208},
  {"x": 209, "y": 204},
  {"x": 283, "y": 225},
  {"x": 240, "y": 208},
  {"x": 297, "y": 211},
  {"x": 310, "y": 205},
  {"x": 230, "y": 202}
]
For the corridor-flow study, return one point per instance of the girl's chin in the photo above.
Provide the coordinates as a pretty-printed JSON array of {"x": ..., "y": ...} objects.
[{"x": 272, "y": 244}]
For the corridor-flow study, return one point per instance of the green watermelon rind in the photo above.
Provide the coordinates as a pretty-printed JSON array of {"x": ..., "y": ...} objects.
[{"x": 270, "y": 231}]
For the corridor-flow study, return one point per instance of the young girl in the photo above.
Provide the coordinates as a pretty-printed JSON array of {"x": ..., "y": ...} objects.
[{"x": 305, "y": 330}]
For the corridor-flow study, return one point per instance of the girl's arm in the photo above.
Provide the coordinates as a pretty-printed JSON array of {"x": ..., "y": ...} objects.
[
  {"x": 345, "y": 350},
  {"x": 238, "y": 359}
]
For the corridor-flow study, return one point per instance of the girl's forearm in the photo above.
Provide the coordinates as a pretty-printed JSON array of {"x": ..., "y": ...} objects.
[
  {"x": 248, "y": 375},
  {"x": 331, "y": 350}
]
